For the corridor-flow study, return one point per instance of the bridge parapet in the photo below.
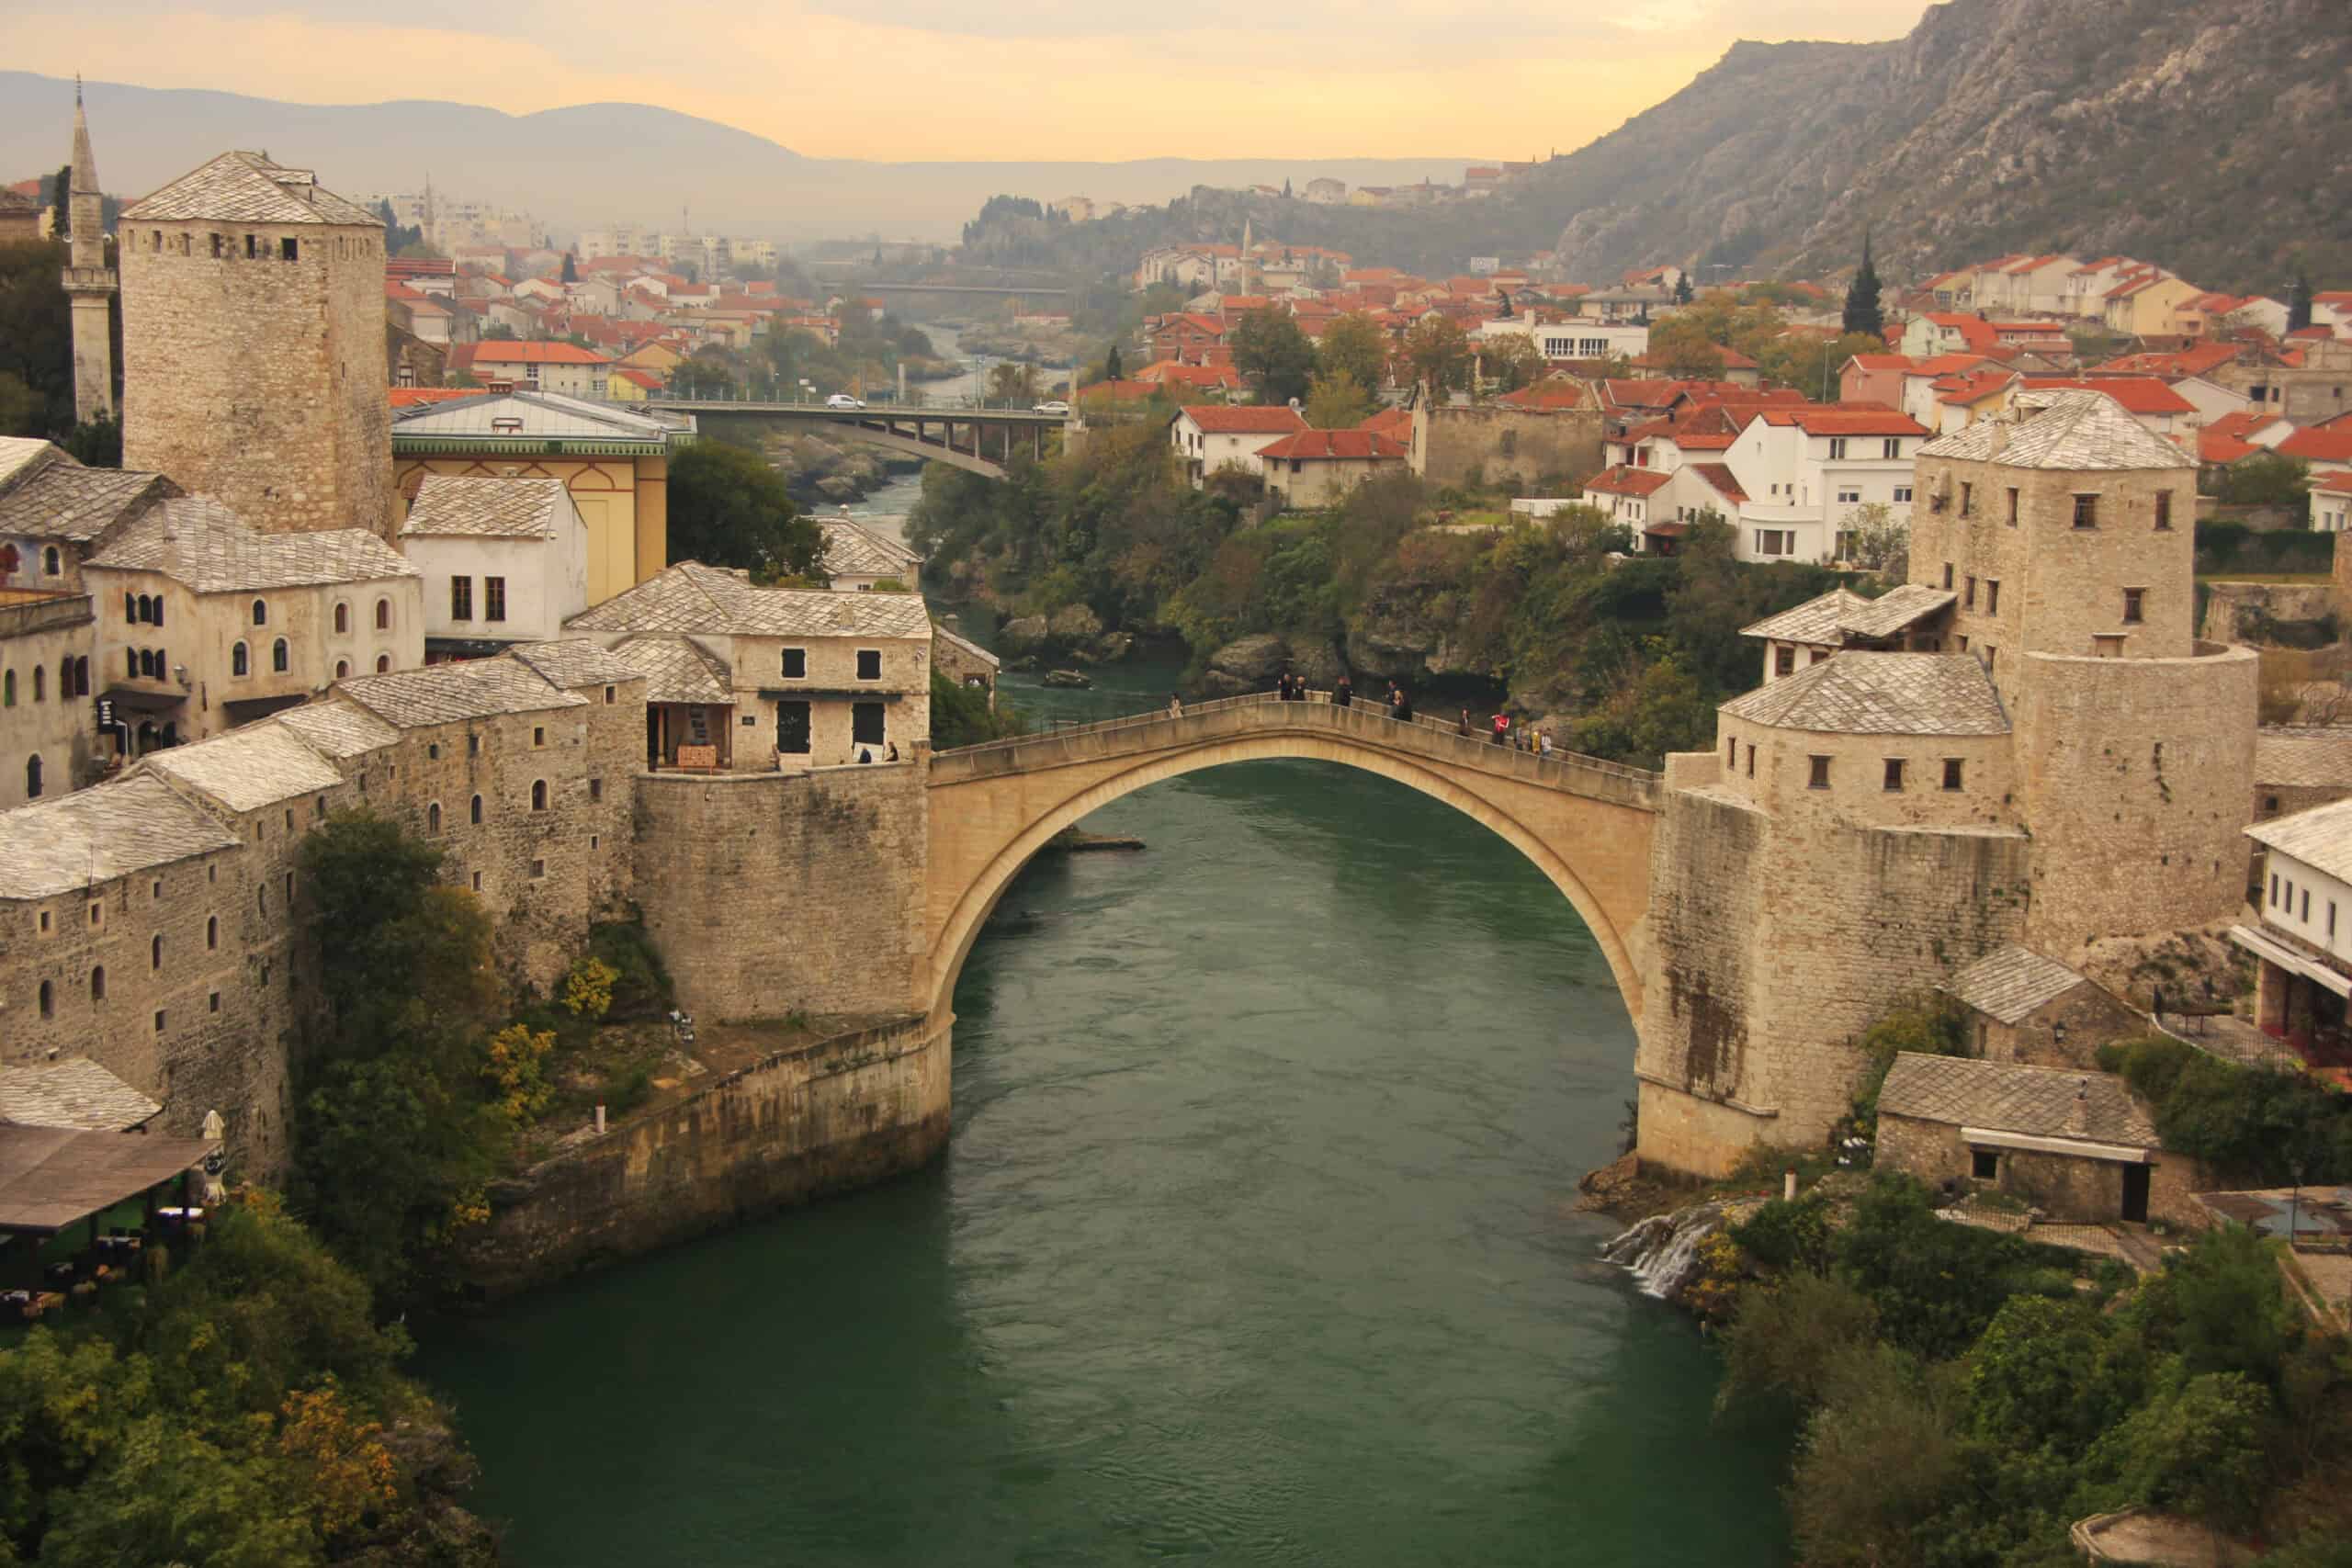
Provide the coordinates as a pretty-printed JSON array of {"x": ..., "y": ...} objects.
[{"x": 1259, "y": 713}]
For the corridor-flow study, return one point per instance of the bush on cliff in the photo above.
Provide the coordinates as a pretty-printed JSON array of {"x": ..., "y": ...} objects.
[
  {"x": 960, "y": 715},
  {"x": 2251, "y": 1126}
]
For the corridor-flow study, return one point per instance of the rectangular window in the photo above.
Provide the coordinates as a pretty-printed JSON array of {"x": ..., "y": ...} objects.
[
  {"x": 1751, "y": 759},
  {"x": 493, "y": 598},
  {"x": 1820, "y": 774},
  {"x": 159, "y": 1021},
  {"x": 792, "y": 729},
  {"x": 2106, "y": 645},
  {"x": 461, "y": 598},
  {"x": 2306, "y": 915},
  {"x": 870, "y": 664},
  {"x": 1836, "y": 447},
  {"x": 2013, "y": 506},
  {"x": 1784, "y": 660},
  {"x": 2274, "y": 889},
  {"x": 796, "y": 664},
  {"x": 2164, "y": 510},
  {"x": 539, "y": 869},
  {"x": 1847, "y": 495},
  {"x": 866, "y": 724},
  {"x": 212, "y": 1002},
  {"x": 539, "y": 736},
  {"x": 2331, "y": 920},
  {"x": 1967, "y": 499},
  {"x": 1730, "y": 753},
  {"x": 2133, "y": 599},
  {"x": 1984, "y": 1165},
  {"x": 1969, "y": 599},
  {"x": 1893, "y": 784},
  {"x": 596, "y": 789},
  {"x": 1893, "y": 447},
  {"x": 287, "y": 251},
  {"x": 1951, "y": 773},
  {"x": 1992, "y": 595},
  {"x": 2085, "y": 511},
  {"x": 1946, "y": 577},
  {"x": 1903, "y": 495}
]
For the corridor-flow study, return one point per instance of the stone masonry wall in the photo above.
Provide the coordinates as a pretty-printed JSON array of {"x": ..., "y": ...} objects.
[
  {"x": 2065, "y": 1188},
  {"x": 2134, "y": 775},
  {"x": 2064, "y": 1034},
  {"x": 776, "y": 893},
  {"x": 843, "y": 1113},
  {"x": 1449, "y": 444},
  {"x": 259, "y": 380}
]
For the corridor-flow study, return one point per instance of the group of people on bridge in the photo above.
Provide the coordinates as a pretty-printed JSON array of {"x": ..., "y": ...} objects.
[{"x": 1506, "y": 731}]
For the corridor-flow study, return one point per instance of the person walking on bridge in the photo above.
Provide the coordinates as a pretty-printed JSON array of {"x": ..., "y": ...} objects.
[
  {"x": 1344, "y": 691},
  {"x": 1175, "y": 705},
  {"x": 1502, "y": 729},
  {"x": 1400, "y": 706},
  {"x": 1464, "y": 728}
]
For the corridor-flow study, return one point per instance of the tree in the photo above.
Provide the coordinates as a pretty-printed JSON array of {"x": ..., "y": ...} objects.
[
  {"x": 1864, "y": 311},
  {"x": 1336, "y": 401},
  {"x": 1277, "y": 357},
  {"x": 1510, "y": 361},
  {"x": 61, "y": 217},
  {"x": 1875, "y": 539},
  {"x": 1112, "y": 369},
  {"x": 1681, "y": 348},
  {"x": 960, "y": 716},
  {"x": 1682, "y": 287},
  {"x": 729, "y": 507},
  {"x": 1013, "y": 381},
  {"x": 2265, "y": 479},
  {"x": 1810, "y": 362},
  {"x": 1438, "y": 353},
  {"x": 571, "y": 273},
  {"x": 1355, "y": 344},
  {"x": 2299, "y": 303},
  {"x": 1285, "y": 187}
]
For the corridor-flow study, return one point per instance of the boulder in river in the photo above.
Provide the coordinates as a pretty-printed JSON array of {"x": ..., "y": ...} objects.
[
  {"x": 1018, "y": 636},
  {"x": 1317, "y": 662},
  {"x": 1257, "y": 658},
  {"x": 1075, "y": 626},
  {"x": 1111, "y": 646}
]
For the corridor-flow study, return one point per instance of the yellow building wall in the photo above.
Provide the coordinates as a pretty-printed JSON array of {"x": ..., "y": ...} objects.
[{"x": 625, "y": 503}]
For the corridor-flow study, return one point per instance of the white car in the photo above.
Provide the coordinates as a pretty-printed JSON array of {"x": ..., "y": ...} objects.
[
  {"x": 843, "y": 401},
  {"x": 1054, "y": 406}
]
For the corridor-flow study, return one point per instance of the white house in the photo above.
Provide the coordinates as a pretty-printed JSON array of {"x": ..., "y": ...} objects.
[
  {"x": 1806, "y": 469},
  {"x": 2331, "y": 503},
  {"x": 1209, "y": 437},
  {"x": 2304, "y": 941},
  {"x": 1578, "y": 337},
  {"x": 504, "y": 561}
]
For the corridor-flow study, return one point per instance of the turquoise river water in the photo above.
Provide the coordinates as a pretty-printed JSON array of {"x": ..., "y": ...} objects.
[{"x": 1254, "y": 1244}]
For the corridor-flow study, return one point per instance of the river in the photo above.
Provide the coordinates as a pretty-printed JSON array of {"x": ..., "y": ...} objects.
[{"x": 1253, "y": 1244}]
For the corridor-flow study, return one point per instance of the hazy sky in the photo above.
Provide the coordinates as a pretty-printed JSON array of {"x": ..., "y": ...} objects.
[{"x": 955, "y": 79}]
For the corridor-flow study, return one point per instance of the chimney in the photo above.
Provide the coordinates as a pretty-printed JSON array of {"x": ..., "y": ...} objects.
[{"x": 2078, "y": 1114}]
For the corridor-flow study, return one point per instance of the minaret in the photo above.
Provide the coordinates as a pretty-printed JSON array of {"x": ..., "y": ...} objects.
[{"x": 89, "y": 282}]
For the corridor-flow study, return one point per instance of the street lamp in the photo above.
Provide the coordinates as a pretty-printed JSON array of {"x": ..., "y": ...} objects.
[{"x": 808, "y": 390}]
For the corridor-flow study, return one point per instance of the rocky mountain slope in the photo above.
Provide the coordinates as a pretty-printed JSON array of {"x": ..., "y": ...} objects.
[{"x": 2205, "y": 134}]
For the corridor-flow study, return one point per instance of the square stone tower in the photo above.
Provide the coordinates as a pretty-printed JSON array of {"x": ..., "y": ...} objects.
[{"x": 252, "y": 345}]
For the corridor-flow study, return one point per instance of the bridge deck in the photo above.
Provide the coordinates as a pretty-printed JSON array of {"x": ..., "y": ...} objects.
[{"x": 1261, "y": 712}]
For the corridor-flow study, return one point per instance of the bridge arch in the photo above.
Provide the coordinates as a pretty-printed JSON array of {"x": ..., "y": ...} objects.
[{"x": 1594, "y": 847}]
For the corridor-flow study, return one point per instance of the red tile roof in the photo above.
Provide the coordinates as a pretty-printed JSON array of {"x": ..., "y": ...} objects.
[
  {"x": 2194, "y": 361},
  {"x": 1558, "y": 392},
  {"x": 501, "y": 352},
  {"x": 1623, "y": 481},
  {"x": 2315, "y": 445},
  {"x": 409, "y": 397},
  {"x": 1395, "y": 424},
  {"x": 1963, "y": 389},
  {"x": 1974, "y": 330},
  {"x": 1334, "y": 446},
  {"x": 1221, "y": 419},
  {"x": 1854, "y": 419},
  {"x": 1882, "y": 361},
  {"x": 645, "y": 379},
  {"x": 1719, "y": 478},
  {"x": 2137, "y": 394}
]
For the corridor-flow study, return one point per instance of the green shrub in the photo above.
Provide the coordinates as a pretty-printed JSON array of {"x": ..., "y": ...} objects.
[
  {"x": 2253, "y": 1127},
  {"x": 1929, "y": 1023},
  {"x": 640, "y": 984},
  {"x": 1783, "y": 1235}
]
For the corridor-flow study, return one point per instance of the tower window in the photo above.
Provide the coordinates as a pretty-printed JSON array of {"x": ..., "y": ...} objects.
[
  {"x": 2164, "y": 510},
  {"x": 2086, "y": 510},
  {"x": 538, "y": 795},
  {"x": 493, "y": 598},
  {"x": 240, "y": 662},
  {"x": 261, "y": 612},
  {"x": 477, "y": 811},
  {"x": 1819, "y": 778},
  {"x": 278, "y": 656},
  {"x": 1893, "y": 784},
  {"x": 342, "y": 618},
  {"x": 2134, "y": 600},
  {"x": 383, "y": 663},
  {"x": 383, "y": 614},
  {"x": 287, "y": 252},
  {"x": 2013, "y": 506},
  {"x": 98, "y": 984},
  {"x": 433, "y": 817},
  {"x": 1951, "y": 773}
]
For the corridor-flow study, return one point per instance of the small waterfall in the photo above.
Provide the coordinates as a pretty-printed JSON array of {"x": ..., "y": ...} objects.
[{"x": 1662, "y": 1251}]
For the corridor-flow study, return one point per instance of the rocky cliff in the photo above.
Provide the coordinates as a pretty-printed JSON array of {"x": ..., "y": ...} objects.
[{"x": 2204, "y": 134}]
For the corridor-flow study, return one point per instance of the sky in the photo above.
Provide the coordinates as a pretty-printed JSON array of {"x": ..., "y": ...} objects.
[{"x": 959, "y": 80}]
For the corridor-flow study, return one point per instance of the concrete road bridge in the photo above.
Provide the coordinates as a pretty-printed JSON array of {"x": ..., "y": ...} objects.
[
  {"x": 961, "y": 438},
  {"x": 1585, "y": 823}
]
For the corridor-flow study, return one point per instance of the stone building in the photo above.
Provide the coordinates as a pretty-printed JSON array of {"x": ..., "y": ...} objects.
[
  {"x": 2025, "y": 1007},
  {"x": 763, "y": 680},
  {"x": 2074, "y": 1144},
  {"x": 2067, "y": 765},
  {"x": 90, "y": 284},
  {"x": 1319, "y": 468},
  {"x": 253, "y": 333},
  {"x": 203, "y": 623},
  {"x": 2303, "y": 943},
  {"x": 858, "y": 557},
  {"x": 615, "y": 463},
  {"x": 1551, "y": 428},
  {"x": 501, "y": 561}
]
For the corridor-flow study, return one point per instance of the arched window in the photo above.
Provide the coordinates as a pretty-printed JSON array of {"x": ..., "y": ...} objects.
[
  {"x": 146, "y": 661},
  {"x": 342, "y": 618},
  {"x": 278, "y": 656},
  {"x": 48, "y": 1001},
  {"x": 383, "y": 614},
  {"x": 64, "y": 678},
  {"x": 538, "y": 795},
  {"x": 130, "y": 663},
  {"x": 261, "y": 612},
  {"x": 477, "y": 810},
  {"x": 383, "y": 664},
  {"x": 433, "y": 817},
  {"x": 32, "y": 777},
  {"x": 146, "y": 610},
  {"x": 40, "y": 683},
  {"x": 51, "y": 563},
  {"x": 98, "y": 984},
  {"x": 342, "y": 668},
  {"x": 131, "y": 608},
  {"x": 240, "y": 662},
  {"x": 155, "y": 953},
  {"x": 211, "y": 932}
]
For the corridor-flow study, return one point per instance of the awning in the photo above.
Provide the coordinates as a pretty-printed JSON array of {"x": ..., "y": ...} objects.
[
  {"x": 244, "y": 710},
  {"x": 50, "y": 1177},
  {"x": 2079, "y": 1149},
  {"x": 804, "y": 694},
  {"x": 1666, "y": 530},
  {"x": 140, "y": 700},
  {"x": 2270, "y": 950}
]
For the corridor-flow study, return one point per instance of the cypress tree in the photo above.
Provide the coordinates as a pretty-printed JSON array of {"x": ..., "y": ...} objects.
[
  {"x": 1862, "y": 311},
  {"x": 1111, "y": 366},
  {"x": 2299, "y": 303}
]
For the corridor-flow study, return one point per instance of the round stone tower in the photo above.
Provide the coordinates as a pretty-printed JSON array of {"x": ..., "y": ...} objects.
[{"x": 252, "y": 345}]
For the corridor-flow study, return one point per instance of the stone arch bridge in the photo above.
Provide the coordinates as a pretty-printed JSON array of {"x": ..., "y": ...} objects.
[{"x": 1585, "y": 823}]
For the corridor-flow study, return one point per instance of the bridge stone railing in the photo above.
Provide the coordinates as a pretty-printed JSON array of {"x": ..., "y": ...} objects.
[{"x": 1219, "y": 719}]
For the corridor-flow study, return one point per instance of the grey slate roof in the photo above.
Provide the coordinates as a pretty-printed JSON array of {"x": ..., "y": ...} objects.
[
  {"x": 677, "y": 670},
  {"x": 2303, "y": 756},
  {"x": 573, "y": 663},
  {"x": 337, "y": 729},
  {"x": 1897, "y": 609},
  {"x": 247, "y": 769},
  {"x": 463, "y": 506},
  {"x": 196, "y": 541},
  {"x": 2320, "y": 838},
  {"x": 1830, "y": 619},
  {"x": 75, "y": 1092},
  {"x": 2068, "y": 430},
  {"x": 2010, "y": 982},
  {"x": 854, "y": 550},
  {"x": 691, "y": 597},
  {"x": 1879, "y": 693},
  {"x": 443, "y": 694},
  {"x": 125, "y": 825},
  {"x": 45, "y": 494},
  {"x": 2008, "y": 1096},
  {"x": 971, "y": 649},
  {"x": 245, "y": 187}
]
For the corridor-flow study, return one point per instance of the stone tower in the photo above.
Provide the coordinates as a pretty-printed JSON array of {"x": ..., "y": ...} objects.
[
  {"x": 89, "y": 282},
  {"x": 252, "y": 345}
]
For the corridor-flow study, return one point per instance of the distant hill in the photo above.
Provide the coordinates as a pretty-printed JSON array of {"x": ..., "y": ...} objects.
[{"x": 596, "y": 163}]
